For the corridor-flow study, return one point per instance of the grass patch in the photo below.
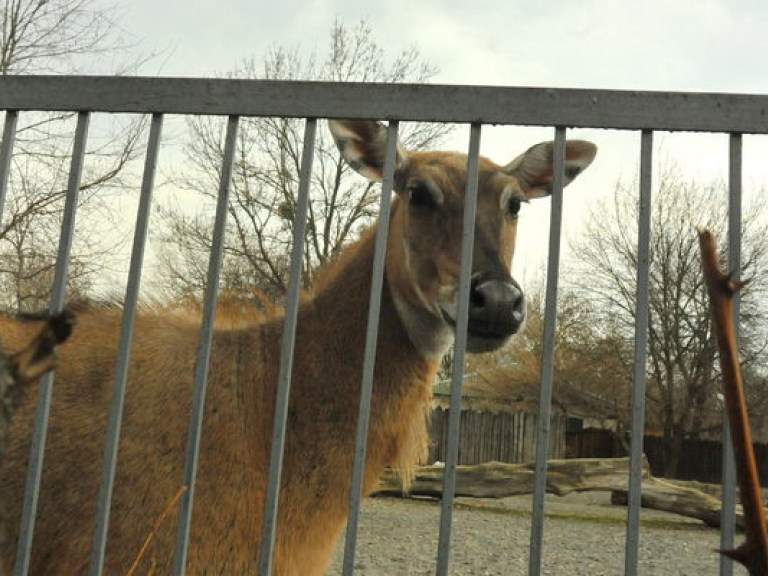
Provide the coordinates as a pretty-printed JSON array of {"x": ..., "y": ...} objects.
[
  {"x": 668, "y": 524},
  {"x": 595, "y": 518}
]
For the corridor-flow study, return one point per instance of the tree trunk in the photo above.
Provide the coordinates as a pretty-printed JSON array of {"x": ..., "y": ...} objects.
[{"x": 673, "y": 447}]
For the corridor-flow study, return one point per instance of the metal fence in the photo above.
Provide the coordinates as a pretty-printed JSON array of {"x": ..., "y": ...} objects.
[{"x": 644, "y": 112}]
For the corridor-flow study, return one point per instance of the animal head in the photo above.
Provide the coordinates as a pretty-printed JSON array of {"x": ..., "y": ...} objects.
[{"x": 423, "y": 257}]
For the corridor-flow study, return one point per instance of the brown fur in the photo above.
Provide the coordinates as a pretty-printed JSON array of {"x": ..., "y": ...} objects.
[
  {"x": 21, "y": 368},
  {"x": 238, "y": 420},
  {"x": 232, "y": 472}
]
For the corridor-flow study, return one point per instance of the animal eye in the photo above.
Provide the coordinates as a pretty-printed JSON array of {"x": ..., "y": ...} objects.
[
  {"x": 514, "y": 206},
  {"x": 419, "y": 196}
]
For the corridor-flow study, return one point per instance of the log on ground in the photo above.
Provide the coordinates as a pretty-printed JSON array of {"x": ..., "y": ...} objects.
[{"x": 502, "y": 480}]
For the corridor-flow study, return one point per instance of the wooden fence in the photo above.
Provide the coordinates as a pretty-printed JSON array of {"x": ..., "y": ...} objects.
[
  {"x": 504, "y": 436},
  {"x": 500, "y": 436},
  {"x": 593, "y": 443},
  {"x": 700, "y": 460}
]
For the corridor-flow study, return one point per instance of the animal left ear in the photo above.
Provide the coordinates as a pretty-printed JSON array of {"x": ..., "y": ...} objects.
[
  {"x": 40, "y": 355},
  {"x": 362, "y": 144},
  {"x": 534, "y": 168}
]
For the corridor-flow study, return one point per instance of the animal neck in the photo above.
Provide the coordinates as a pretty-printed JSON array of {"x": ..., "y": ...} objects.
[
  {"x": 346, "y": 288},
  {"x": 406, "y": 332},
  {"x": 403, "y": 376},
  {"x": 426, "y": 333}
]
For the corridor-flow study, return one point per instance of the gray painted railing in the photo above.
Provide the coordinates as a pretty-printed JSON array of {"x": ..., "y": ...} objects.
[
  {"x": 645, "y": 112},
  {"x": 35, "y": 470}
]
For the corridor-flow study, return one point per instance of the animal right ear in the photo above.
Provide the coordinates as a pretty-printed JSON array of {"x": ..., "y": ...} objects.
[
  {"x": 362, "y": 144},
  {"x": 534, "y": 167}
]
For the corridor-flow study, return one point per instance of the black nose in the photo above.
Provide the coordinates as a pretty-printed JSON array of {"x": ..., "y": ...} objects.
[{"x": 496, "y": 309}]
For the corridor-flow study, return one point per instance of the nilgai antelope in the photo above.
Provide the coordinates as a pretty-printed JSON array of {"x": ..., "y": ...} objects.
[
  {"x": 21, "y": 368},
  {"x": 417, "y": 326}
]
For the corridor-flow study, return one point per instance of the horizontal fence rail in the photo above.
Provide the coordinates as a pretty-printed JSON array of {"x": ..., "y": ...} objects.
[
  {"x": 617, "y": 109},
  {"x": 644, "y": 112}
]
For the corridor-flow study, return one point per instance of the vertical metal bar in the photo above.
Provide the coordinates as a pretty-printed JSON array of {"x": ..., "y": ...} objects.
[
  {"x": 6, "y": 152},
  {"x": 124, "y": 350},
  {"x": 548, "y": 362},
  {"x": 728, "y": 500},
  {"x": 37, "y": 451},
  {"x": 369, "y": 360},
  {"x": 204, "y": 348},
  {"x": 462, "y": 321},
  {"x": 728, "y": 512},
  {"x": 641, "y": 344},
  {"x": 287, "y": 346}
]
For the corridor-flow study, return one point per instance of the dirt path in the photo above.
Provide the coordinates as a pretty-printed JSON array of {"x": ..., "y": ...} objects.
[{"x": 584, "y": 535}]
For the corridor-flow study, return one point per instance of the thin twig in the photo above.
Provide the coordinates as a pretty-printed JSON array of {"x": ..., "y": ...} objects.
[
  {"x": 753, "y": 553},
  {"x": 155, "y": 527}
]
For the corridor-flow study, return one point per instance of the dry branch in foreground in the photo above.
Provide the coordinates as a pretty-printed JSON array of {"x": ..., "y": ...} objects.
[{"x": 753, "y": 553}]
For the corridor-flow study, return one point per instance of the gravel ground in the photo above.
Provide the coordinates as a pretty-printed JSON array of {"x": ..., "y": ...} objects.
[{"x": 583, "y": 536}]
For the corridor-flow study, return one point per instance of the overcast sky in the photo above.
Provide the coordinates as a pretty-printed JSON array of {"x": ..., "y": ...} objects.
[
  {"x": 678, "y": 45},
  {"x": 702, "y": 45}
]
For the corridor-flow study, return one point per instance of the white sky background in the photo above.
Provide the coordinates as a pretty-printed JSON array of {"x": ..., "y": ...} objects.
[{"x": 676, "y": 45}]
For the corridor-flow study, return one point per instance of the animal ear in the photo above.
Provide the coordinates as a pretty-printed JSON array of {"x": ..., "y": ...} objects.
[
  {"x": 40, "y": 355},
  {"x": 362, "y": 144},
  {"x": 534, "y": 168}
]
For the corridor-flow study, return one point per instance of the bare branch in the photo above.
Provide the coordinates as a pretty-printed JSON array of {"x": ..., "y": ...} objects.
[
  {"x": 682, "y": 370},
  {"x": 721, "y": 287},
  {"x": 266, "y": 179}
]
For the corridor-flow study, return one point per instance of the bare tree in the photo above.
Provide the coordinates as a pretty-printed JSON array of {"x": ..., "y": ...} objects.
[
  {"x": 266, "y": 174},
  {"x": 589, "y": 362},
  {"x": 59, "y": 36},
  {"x": 682, "y": 373},
  {"x": 54, "y": 36}
]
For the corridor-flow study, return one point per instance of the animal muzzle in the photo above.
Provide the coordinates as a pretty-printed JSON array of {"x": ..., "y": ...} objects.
[{"x": 496, "y": 312}]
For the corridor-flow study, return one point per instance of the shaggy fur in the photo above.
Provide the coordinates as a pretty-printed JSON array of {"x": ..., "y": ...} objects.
[{"x": 421, "y": 275}]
